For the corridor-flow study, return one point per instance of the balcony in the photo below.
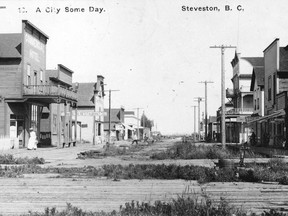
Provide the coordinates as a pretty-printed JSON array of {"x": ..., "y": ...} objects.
[
  {"x": 46, "y": 91},
  {"x": 240, "y": 111}
]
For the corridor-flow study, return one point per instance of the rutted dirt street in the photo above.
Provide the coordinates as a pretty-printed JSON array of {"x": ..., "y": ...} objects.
[{"x": 35, "y": 192}]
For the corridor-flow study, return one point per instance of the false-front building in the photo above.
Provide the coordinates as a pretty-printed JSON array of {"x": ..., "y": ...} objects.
[{"x": 24, "y": 89}]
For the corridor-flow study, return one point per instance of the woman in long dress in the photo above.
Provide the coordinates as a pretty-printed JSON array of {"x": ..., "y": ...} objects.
[{"x": 32, "y": 140}]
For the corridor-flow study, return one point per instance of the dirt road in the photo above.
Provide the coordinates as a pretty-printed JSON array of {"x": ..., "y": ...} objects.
[{"x": 35, "y": 192}]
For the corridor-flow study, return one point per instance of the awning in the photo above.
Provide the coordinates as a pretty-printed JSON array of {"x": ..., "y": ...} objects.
[
  {"x": 128, "y": 127},
  {"x": 276, "y": 114}
]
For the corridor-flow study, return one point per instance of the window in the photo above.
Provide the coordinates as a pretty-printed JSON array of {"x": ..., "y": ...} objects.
[
  {"x": 258, "y": 106},
  {"x": 41, "y": 76},
  {"x": 255, "y": 104},
  {"x": 28, "y": 82},
  {"x": 269, "y": 88}
]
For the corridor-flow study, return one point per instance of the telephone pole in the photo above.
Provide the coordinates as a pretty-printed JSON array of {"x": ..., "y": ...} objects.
[
  {"x": 199, "y": 99},
  {"x": 194, "y": 135},
  {"x": 223, "y": 93},
  {"x": 206, "y": 121}
]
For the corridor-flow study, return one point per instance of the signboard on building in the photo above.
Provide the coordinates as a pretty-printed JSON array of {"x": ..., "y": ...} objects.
[
  {"x": 85, "y": 113},
  {"x": 241, "y": 119}
]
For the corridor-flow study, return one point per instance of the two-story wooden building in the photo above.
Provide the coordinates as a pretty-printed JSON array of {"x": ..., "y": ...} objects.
[
  {"x": 90, "y": 110},
  {"x": 24, "y": 90},
  {"x": 241, "y": 96}
]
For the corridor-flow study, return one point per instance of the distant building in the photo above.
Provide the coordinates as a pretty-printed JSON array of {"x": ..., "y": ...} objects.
[
  {"x": 212, "y": 129},
  {"x": 132, "y": 122},
  {"x": 116, "y": 124},
  {"x": 90, "y": 110}
]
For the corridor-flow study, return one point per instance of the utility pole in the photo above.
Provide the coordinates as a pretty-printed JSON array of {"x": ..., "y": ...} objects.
[
  {"x": 206, "y": 121},
  {"x": 194, "y": 123},
  {"x": 199, "y": 99},
  {"x": 223, "y": 93},
  {"x": 109, "y": 138}
]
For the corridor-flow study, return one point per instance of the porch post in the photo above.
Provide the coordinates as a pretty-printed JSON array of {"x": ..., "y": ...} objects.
[
  {"x": 59, "y": 123},
  {"x": 70, "y": 124},
  {"x": 65, "y": 121},
  {"x": 75, "y": 125}
]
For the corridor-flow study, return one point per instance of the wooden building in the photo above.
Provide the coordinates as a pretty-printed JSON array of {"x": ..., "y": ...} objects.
[{"x": 24, "y": 90}]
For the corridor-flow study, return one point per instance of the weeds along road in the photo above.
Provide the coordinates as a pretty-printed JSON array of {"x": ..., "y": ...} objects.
[{"x": 37, "y": 191}]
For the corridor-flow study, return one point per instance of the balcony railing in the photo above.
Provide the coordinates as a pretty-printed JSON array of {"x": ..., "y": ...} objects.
[
  {"x": 49, "y": 90},
  {"x": 239, "y": 111}
]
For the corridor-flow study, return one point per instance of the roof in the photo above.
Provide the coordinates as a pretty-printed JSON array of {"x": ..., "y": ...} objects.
[
  {"x": 255, "y": 61},
  {"x": 257, "y": 75},
  {"x": 10, "y": 45},
  {"x": 85, "y": 94},
  {"x": 117, "y": 115},
  {"x": 283, "y": 53}
]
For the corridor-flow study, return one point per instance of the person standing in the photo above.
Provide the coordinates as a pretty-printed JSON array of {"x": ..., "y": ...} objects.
[
  {"x": 135, "y": 139},
  {"x": 32, "y": 143}
]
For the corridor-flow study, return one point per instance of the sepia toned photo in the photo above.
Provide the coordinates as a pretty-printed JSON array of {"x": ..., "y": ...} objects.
[{"x": 143, "y": 107}]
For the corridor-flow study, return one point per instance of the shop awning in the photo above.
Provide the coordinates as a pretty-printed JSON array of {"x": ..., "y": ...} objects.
[
  {"x": 128, "y": 127},
  {"x": 276, "y": 114}
]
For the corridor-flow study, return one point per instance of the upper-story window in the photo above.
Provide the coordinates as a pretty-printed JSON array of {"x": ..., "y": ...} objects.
[
  {"x": 269, "y": 88},
  {"x": 41, "y": 77},
  {"x": 258, "y": 103},
  {"x": 28, "y": 82}
]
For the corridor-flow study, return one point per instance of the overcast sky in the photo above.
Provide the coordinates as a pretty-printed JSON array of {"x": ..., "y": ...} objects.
[{"x": 151, "y": 50}]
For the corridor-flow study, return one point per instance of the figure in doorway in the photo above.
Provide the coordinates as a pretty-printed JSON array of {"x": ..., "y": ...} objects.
[{"x": 32, "y": 143}]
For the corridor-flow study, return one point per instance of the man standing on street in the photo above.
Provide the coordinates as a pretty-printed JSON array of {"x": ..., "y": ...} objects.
[{"x": 135, "y": 139}]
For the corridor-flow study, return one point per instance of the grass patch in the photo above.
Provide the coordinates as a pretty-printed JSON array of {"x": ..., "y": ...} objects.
[
  {"x": 191, "y": 151},
  {"x": 181, "y": 206},
  {"x": 10, "y": 159},
  {"x": 256, "y": 173},
  {"x": 110, "y": 151}
]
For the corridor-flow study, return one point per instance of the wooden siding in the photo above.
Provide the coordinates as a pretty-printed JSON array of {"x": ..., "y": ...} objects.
[
  {"x": 34, "y": 54},
  {"x": 10, "y": 81}
]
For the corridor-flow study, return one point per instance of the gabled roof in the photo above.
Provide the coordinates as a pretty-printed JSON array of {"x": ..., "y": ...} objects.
[
  {"x": 10, "y": 45},
  {"x": 257, "y": 75},
  {"x": 283, "y": 52},
  {"x": 255, "y": 61},
  {"x": 85, "y": 94},
  {"x": 117, "y": 115}
]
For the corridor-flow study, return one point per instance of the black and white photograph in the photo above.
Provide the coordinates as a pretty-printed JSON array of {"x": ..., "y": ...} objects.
[{"x": 143, "y": 107}]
